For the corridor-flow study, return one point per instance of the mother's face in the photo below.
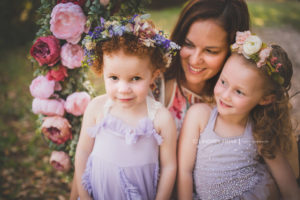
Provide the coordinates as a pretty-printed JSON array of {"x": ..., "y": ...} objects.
[{"x": 203, "y": 52}]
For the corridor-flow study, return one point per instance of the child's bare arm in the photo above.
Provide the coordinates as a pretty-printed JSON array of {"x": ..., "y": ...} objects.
[
  {"x": 187, "y": 148},
  {"x": 284, "y": 176},
  {"x": 165, "y": 124},
  {"x": 85, "y": 145}
]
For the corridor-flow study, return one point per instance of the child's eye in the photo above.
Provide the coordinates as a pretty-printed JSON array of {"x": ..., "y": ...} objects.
[
  {"x": 113, "y": 78},
  {"x": 222, "y": 82},
  {"x": 136, "y": 78},
  {"x": 239, "y": 92}
]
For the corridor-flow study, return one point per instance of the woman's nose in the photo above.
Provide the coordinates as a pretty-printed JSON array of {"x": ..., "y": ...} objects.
[{"x": 196, "y": 57}]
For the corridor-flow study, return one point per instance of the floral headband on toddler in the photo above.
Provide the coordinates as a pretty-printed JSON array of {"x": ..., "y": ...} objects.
[
  {"x": 252, "y": 48},
  {"x": 138, "y": 26}
]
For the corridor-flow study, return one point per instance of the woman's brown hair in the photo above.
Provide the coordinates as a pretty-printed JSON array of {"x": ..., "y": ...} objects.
[
  {"x": 272, "y": 126},
  {"x": 232, "y": 15}
]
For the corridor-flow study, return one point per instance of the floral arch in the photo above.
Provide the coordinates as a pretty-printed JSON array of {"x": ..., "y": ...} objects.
[{"x": 60, "y": 86}]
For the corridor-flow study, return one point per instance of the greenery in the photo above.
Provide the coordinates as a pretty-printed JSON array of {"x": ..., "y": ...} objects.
[{"x": 24, "y": 155}]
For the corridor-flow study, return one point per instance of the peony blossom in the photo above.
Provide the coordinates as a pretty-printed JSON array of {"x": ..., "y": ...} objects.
[
  {"x": 77, "y": 102},
  {"x": 104, "y": 2},
  {"x": 78, "y": 2},
  {"x": 263, "y": 55},
  {"x": 60, "y": 161},
  {"x": 46, "y": 50},
  {"x": 71, "y": 55},
  {"x": 48, "y": 107},
  {"x": 57, "y": 74},
  {"x": 41, "y": 87},
  {"x": 67, "y": 22},
  {"x": 57, "y": 129},
  {"x": 251, "y": 46}
]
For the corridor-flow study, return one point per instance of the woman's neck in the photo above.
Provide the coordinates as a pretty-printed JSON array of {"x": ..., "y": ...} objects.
[{"x": 198, "y": 89}]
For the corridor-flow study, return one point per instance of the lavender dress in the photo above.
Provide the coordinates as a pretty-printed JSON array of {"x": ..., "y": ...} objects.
[
  {"x": 228, "y": 168},
  {"x": 124, "y": 160}
]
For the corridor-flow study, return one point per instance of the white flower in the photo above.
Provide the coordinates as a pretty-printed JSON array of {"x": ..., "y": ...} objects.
[{"x": 251, "y": 46}]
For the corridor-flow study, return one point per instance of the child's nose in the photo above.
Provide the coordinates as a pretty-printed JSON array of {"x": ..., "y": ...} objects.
[
  {"x": 124, "y": 87},
  {"x": 226, "y": 94}
]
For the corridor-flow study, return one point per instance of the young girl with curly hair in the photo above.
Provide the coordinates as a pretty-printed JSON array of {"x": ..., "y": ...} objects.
[
  {"x": 127, "y": 144},
  {"x": 227, "y": 150}
]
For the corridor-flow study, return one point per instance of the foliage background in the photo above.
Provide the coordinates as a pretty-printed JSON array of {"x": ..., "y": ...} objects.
[{"x": 24, "y": 156}]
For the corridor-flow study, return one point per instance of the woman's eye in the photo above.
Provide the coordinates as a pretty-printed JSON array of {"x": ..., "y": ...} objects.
[
  {"x": 136, "y": 78},
  {"x": 187, "y": 44},
  {"x": 211, "y": 51}
]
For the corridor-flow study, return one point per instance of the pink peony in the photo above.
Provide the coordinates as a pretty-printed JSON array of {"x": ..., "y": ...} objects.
[
  {"x": 57, "y": 74},
  {"x": 104, "y": 2},
  {"x": 263, "y": 55},
  {"x": 77, "y": 102},
  {"x": 41, "y": 87},
  {"x": 78, "y": 2},
  {"x": 48, "y": 107},
  {"x": 241, "y": 37},
  {"x": 46, "y": 50},
  {"x": 71, "y": 55},
  {"x": 57, "y": 129},
  {"x": 67, "y": 22},
  {"x": 60, "y": 161}
]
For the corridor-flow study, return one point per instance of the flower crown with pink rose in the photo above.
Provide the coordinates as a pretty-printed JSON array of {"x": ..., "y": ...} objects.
[
  {"x": 252, "y": 48},
  {"x": 139, "y": 26}
]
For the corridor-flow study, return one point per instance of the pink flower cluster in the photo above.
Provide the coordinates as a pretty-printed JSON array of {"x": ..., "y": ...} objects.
[{"x": 58, "y": 54}]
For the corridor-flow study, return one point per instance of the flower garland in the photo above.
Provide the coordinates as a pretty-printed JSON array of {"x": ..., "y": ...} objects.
[
  {"x": 60, "y": 87},
  {"x": 252, "y": 48}
]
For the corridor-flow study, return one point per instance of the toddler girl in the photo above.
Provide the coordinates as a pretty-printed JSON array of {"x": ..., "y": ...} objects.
[
  {"x": 127, "y": 145},
  {"x": 224, "y": 149}
]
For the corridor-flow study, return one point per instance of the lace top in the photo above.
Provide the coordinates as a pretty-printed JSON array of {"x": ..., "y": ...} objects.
[
  {"x": 124, "y": 160},
  {"x": 178, "y": 104}
]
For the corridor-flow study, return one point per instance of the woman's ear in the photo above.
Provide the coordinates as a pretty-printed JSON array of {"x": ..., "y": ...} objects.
[{"x": 267, "y": 100}]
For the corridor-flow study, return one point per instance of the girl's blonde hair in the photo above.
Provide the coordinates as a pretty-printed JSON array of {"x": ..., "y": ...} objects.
[{"x": 272, "y": 126}]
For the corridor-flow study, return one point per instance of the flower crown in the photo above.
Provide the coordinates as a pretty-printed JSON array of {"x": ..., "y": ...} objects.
[
  {"x": 138, "y": 26},
  {"x": 252, "y": 47}
]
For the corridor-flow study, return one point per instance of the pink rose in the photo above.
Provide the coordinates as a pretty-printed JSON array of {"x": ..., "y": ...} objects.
[
  {"x": 77, "y": 102},
  {"x": 57, "y": 74},
  {"x": 46, "y": 50},
  {"x": 104, "y": 2},
  {"x": 67, "y": 22},
  {"x": 241, "y": 37},
  {"x": 41, "y": 87},
  {"x": 57, "y": 129},
  {"x": 78, "y": 2},
  {"x": 48, "y": 107},
  {"x": 60, "y": 161},
  {"x": 263, "y": 55},
  {"x": 71, "y": 55}
]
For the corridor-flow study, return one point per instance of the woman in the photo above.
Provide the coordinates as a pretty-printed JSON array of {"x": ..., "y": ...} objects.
[{"x": 205, "y": 30}]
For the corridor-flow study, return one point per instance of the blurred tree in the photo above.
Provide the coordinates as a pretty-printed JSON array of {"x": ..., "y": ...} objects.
[
  {"x": 17, "y": 19},
  {"x": 160, "y": 4}
]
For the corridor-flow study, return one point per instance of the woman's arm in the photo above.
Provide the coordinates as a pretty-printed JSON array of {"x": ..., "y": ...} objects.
[
  {"x": 197, "y": 115},
  {"x": 284, "y": 176},
  {"x": 165, "y": 125},
  {"x": 85, "y": 145}
]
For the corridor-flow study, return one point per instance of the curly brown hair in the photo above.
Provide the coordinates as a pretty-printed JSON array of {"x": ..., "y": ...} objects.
[
  {"x": 130, "y": 45},
  {"x": 272, "y": 123}
]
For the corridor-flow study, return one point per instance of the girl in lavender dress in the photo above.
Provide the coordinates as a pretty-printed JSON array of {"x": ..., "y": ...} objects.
[
  {"x": 227, "y": 150},
  {"x": 127, "y": 145}
]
